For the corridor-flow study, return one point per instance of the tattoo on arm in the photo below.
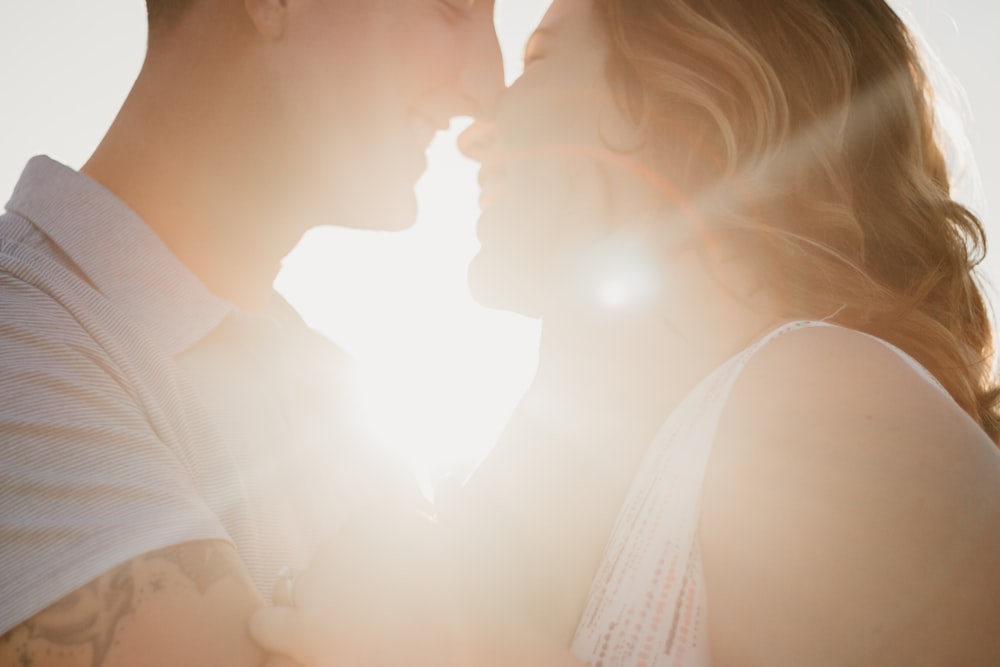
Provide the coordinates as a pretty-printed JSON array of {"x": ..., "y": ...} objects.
[
  {"x": 89, "y": 620},
  {"x": 201, "y": 563}
]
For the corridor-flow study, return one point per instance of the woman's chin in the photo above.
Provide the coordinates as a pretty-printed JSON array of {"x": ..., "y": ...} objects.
[{"x": 505, "y": 286}]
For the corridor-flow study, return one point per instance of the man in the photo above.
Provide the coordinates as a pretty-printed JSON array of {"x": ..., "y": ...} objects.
[{"x": 169, "y": 429}]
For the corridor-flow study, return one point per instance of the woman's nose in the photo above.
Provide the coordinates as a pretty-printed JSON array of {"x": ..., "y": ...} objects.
[{"x": 477, "y": 140}]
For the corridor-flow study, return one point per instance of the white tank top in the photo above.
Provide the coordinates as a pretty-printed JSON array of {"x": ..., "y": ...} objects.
[{"x": 647, "y": 605}]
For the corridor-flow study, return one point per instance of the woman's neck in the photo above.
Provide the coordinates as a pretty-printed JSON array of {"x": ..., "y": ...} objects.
[{"x": 638, "y": 363}]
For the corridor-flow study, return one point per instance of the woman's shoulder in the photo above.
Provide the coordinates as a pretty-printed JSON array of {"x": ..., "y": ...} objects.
[
  {"x": 841, "y": 470},
  {"x": 822, "y": 371},
  {"x": 827, "y": 401},
  {"x": 833, "y": 394}
]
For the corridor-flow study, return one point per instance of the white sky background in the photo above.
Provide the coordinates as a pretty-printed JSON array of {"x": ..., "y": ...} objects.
[{"x": 441, "y": 373}]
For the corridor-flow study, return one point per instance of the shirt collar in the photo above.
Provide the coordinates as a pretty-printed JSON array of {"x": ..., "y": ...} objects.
[{"x": 119, "y": 253}]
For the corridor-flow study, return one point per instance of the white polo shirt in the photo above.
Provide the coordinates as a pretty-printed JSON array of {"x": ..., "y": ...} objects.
[{"x": 138, "y": 410}]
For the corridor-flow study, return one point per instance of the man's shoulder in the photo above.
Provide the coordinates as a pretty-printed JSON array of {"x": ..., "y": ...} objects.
[
  {"x": 36, "y": 289},
  {"x": 29, "y": 256},
  {"x": 56, "y": 329},
  {"x": 21, "y": 238},
  {"x": 14, "y": 228}
]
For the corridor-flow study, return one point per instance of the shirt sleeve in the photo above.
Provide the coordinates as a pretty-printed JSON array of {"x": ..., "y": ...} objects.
[{"x": 85, "y": 482}]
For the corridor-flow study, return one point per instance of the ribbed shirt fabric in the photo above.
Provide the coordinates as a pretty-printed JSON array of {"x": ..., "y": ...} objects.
[{"x": 138, "y": 410}]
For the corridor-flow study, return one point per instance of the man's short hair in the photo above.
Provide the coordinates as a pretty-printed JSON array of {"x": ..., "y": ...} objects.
[{"x": 163, "y": 14}]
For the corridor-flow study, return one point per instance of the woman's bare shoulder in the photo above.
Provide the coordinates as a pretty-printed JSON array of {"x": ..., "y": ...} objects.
[
  {"x": 828, "y": 381},
  {"x": 850, "y": 506}
]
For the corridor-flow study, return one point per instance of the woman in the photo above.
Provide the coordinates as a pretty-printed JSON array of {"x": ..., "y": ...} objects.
[{"x": 763, "y": 428}]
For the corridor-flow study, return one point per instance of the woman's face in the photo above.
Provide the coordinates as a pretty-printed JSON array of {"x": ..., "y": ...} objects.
[{"x": 560, "y": 176}]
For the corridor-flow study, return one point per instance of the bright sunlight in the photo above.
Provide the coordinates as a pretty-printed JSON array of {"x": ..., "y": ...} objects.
[{"x": 440, "y": 374}]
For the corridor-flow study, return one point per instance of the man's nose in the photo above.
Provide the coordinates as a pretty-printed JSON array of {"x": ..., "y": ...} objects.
[
  {"x": 477, "y": 140},
  {"x": 481, "y": 77}
]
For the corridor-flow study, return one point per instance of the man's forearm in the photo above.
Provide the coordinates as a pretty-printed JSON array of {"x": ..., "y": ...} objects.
[{"x": 185, "y": 605}]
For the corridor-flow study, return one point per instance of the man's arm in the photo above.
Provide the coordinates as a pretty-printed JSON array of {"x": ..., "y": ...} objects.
[{"x": 184, "y": 606}]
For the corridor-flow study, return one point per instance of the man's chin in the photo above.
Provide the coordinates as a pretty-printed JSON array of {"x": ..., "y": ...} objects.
[{"x": 385, "y": 213}]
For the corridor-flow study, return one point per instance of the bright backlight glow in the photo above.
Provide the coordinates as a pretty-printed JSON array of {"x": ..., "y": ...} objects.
[{"x": 439, "y": 374}]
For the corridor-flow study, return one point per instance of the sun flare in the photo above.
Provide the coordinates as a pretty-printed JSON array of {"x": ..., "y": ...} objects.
[{"x": 439, "y": 374}]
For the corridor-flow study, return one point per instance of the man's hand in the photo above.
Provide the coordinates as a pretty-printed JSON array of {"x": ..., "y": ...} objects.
[
  {"x": 384, "y": 592},
  {"x": 396, "y": 588}
]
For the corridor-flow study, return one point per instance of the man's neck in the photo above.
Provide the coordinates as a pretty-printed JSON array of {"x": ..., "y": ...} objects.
[{"x": 185, "y": 165}]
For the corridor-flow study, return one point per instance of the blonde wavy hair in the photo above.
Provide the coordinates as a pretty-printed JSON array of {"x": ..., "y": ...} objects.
[{"x": 805, "y": 131}]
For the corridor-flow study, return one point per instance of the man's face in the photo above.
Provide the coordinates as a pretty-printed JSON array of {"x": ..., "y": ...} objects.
[{"x": 360, "y": 88}]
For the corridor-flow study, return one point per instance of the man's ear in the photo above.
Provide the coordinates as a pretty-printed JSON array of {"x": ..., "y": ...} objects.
[{"x": 268, "y": 16}]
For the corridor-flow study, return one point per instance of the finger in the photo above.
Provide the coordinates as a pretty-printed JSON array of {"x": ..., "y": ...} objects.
[
  {"x": 279, "y": 630},
  {"x": 283, "y": 592}
]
